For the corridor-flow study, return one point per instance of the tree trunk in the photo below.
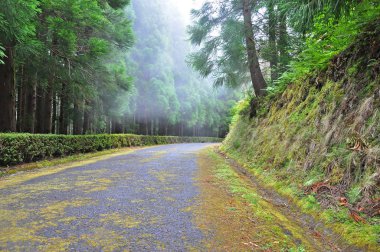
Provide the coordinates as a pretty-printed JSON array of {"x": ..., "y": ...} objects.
[
  {"x": 21, "y": 101},
  {"x": 30, "y": 116},
  {"x": 283, "y": 44},
  {"x": 258, "y": 82},
  {"x": 64, "y": 111},
  {"x": 272, "y": 24},
  {"x": 40, "y": 114},
  {"x": 146, "y": 123},
  {"x": 48, "y": 107},
  {"x": 78, "y": 118},
  {"x": 7, "y": 93},
  {"x": 86, "y": 119},
  {"x": 108, "y": 125},
  {"x": 54, "y": 115}
]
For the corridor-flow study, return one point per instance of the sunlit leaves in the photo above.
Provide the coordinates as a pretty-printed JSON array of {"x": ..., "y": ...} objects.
[
  {"x": 218, "y": 31},
  {"x": 98, "y": 46}
]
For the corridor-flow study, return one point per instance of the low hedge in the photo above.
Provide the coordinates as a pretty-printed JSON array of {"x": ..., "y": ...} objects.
[{"x": 22, "y": 148}]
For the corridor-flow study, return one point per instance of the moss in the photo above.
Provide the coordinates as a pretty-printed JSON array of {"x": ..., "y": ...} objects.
[
  {"x": 120, "y": 220},
  {"x": 274, "y": 229},
  {"x": 338, "y": 219}
]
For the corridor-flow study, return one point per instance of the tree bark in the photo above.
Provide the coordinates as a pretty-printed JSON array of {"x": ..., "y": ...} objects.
[
  {"x": 64, "y": 113},
  {"x": 258, "y": 82},
  {"x": 146, "y": 123},
  {"x": 78, "y": 118},
  {"x": 7, "y": 93},
  {"x": 21, "y": 100},
  {"x": 272, "y": 25},
  {"x": 86, "y": 119},
  {"x": 283, "y": 44},
  {"x": 48, "y": 107},
  {"x": 31, "y": 104},
  {"x": 54, "y": 115},
  {"x": 40, "y": 114}
]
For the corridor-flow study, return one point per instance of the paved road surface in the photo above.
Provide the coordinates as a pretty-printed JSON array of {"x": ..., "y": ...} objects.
[{"x": 137, "y": 201}]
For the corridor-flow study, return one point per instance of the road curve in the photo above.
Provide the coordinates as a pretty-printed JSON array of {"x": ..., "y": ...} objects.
[{"x": 137, "y": 201}]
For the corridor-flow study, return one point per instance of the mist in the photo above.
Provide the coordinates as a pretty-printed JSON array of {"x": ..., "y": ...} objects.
[{"x": 168, "y": 96}]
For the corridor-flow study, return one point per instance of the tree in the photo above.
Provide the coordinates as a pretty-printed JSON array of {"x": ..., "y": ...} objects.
[
  {"x": 258, "y": 82},
  {"x": 219, "y": 32},
  {"x": 17, "y": 26},
  {"x": 52, "y": 51}
]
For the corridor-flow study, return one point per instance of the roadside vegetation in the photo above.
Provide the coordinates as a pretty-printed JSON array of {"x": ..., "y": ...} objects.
[
  {"x": 310, "y": 129},
  {"x": 23, "y": 148}
]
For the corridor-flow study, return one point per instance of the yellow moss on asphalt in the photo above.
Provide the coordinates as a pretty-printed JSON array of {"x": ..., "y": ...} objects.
[
  {"x": 95, "y": 185},
  {"x": 105, "y": 240},
  {"x": 155, "y": 155},
  {"x": 121, "y": 220},
  {"x": 162, "y": 176},
  {"x": 56, "y": 211},
  {"x": 25, "y": 176}
]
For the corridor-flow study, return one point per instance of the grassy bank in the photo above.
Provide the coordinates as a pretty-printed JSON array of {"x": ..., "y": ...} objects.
[{"x": 318, "y": 141}]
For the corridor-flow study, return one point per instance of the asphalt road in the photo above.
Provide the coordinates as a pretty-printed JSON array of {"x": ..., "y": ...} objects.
[{"x": 139, "y": 201}]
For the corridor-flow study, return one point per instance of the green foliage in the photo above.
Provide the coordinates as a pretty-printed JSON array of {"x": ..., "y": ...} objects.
[
  {"x": 17, "y": 21},
  {"x": 354, "y": 194},
  {"x": 222, "y": 54},
  {"x": 303, "y": 13},
  {"x": 239, "y": 109},
  {"x": 2, "y": 54},
  {"x": 21, "y": 148},
  {"x": 327, "y": 38},
  {"x": 308, "y": 134}
]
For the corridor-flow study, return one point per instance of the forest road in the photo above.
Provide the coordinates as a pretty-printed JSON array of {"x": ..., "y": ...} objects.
[
  {"x": 137, "y": 201},
  {"x": 162, "y": 198}
]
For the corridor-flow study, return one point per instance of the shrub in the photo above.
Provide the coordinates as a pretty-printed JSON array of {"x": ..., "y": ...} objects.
[{"x": 21, "y": 148}]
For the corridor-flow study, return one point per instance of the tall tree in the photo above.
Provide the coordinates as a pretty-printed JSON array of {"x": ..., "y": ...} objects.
[
  {"x": 258, "y": 82},
  {"x": 17, "y": 26},
  {"x": 223, "y": 55},
  {"x": 272, "y": 37}
]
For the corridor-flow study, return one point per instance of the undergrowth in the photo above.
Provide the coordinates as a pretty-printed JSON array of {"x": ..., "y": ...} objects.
[{"x": 328, "y": 38}]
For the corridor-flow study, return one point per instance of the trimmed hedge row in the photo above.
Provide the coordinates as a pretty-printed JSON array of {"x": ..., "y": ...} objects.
[{"x": 22, "y": 148}]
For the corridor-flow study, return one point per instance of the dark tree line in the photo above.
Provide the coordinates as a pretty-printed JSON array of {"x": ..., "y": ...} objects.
[{"x": 60, "y": 58}]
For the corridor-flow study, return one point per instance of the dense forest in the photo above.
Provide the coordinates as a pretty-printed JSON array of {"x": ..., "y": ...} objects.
[
  {"x": 271, "y": 43},
  {"x": 104, "y": 66},
  {"x": 97, "y": 66}
]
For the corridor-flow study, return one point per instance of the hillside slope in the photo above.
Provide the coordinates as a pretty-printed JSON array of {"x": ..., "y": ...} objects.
[{"x": 319, "y": 141}]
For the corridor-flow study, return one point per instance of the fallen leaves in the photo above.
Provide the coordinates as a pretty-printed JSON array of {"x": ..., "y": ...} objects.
[
  {"x": 315, "y": 188},
  {"x": 356, "y": 217},
  {"x": 343, "y": 201},
  {"x": 250, "y": 244}
]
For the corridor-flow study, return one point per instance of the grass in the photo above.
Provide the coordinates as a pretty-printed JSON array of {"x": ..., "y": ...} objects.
[
  {"x": 6, "y": 171},
  {"x": 270, "y": 220},
  {"x": 364, "y": 235}
]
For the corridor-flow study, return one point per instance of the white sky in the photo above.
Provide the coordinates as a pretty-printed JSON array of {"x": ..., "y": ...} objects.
[{"x": 185, "y": 7}]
